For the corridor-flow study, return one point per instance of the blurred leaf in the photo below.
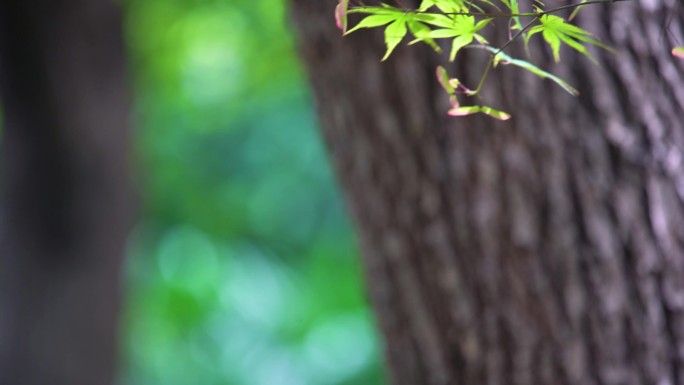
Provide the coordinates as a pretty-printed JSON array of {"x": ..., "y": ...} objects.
[{"x": 678, "y": 52}]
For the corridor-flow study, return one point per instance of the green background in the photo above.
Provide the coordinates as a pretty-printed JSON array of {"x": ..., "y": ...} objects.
[{"x": 242, "y": 268}]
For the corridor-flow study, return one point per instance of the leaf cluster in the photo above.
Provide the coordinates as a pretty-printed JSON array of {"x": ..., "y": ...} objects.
[{"x": 462, "y": 23}]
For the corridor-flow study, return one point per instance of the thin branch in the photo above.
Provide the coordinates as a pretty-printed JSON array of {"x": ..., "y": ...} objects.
[
  {"x": 508, "y": 15},
  {"x": 491, "y": 60}
]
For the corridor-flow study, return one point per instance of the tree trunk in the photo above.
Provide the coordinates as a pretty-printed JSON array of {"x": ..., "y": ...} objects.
[
  {"x": 65, "y": 195},
  {"x": 548, "y": 249}
]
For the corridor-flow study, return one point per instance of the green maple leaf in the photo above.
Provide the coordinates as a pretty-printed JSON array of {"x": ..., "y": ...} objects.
[{"x": 555, "y": 31}]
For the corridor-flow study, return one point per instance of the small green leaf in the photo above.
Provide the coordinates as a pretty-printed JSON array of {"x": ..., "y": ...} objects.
[
  {"x": 452, "y": 6},
  {"x": 554, "y": 42},
  {"x": 459, "y": 42},
  {"x": 384, "y": 9},
  {"x": 496, "y": 114},
  {"x": 394, "y": 33},
  {"x": 422, "y": 33},
  {"x": 481, "y": 24},
  {"x": 460, "y": 27},
  {"x": 465, "y": 110},
  {"x": 435, "y": 19},
  {"x": 464, "y": 24},
  {"x": 443, "y": 33},
  {"x": 373, "y": 21},
  {"x": 678, "y": 52},
  {"x": 425, "y": 5},
  {"x": 555, "y": 30},
  {"x": 453, "y": 101},
  {"x": 480, "y": 39},
  {"x": 443, "y": 78},
  {"x": 469, "y": 110}
]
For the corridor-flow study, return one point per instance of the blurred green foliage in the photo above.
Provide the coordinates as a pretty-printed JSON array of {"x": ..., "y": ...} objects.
[{"x": 242, "y": 267}]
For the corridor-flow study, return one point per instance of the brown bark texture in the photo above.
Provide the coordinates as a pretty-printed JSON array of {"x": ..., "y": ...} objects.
[
  {"x": 64, "y": 212},
  {"x": 548, "y": 249}
]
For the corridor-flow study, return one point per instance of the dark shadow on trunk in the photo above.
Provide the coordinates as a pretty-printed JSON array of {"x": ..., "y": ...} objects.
[{"x": 65, "y": 207}]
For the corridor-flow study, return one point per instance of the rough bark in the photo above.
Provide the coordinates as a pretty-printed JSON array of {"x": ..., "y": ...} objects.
[
  {"x": 65, "y": 198},
  {"x": 548, "y": 249}
]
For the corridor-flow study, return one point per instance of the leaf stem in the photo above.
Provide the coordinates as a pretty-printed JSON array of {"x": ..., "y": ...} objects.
[
  {"x": 491, "y": 60},
  {"x": 523, "y": 14}
]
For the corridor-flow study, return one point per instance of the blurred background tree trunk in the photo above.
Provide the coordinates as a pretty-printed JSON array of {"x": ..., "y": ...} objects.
[
  {"x": 548, "y": 249},
  {"x": 65, "y": 207}
]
